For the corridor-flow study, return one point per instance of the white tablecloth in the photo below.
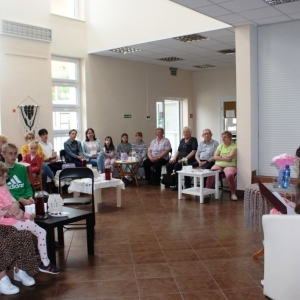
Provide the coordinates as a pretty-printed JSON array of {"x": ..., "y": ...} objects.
[{"x": 85, "y": 186}]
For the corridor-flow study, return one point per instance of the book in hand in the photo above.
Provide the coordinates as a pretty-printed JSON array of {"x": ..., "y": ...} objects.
[
  {"x": 289, "y": 210},
  {"x": 275, "y": 200}
]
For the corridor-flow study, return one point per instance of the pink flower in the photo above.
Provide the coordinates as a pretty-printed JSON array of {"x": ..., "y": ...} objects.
[{"x": 284, "y": 159}]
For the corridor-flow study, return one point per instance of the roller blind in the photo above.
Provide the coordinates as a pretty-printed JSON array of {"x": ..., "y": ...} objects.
[{"x": 278, "y": 93}]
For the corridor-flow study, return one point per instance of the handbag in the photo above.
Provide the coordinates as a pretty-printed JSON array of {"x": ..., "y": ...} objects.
[{"x": 168, "y": 179}]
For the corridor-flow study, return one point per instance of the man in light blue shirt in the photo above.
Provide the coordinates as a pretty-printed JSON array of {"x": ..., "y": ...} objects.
[{"x": 205, "y": 152}]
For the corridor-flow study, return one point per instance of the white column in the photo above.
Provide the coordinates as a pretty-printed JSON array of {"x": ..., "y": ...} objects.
[{"x": 247, "y": 103}]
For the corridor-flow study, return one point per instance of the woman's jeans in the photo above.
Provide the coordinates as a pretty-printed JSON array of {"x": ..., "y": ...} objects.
[
  {"x": 97, "y": 162},
  {"x": 46, "y": 172}
]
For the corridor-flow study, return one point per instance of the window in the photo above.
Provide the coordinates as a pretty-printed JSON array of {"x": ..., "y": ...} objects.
[
  {"x": 169, "y": 117},
  {"x": 68, "y": 8},
  {"x": 65, "y": 98}
]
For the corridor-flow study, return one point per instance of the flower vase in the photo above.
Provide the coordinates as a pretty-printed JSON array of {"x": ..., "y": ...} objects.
[{"x": 280, "y": 177}]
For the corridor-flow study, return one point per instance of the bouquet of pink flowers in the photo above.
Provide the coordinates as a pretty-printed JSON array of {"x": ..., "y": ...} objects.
[{"x": 284, "y": 159}]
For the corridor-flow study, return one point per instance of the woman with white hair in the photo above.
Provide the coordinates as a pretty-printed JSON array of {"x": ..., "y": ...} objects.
[
  {"x": 187, "y": 149},
  {"x": 158, "y": 155}
]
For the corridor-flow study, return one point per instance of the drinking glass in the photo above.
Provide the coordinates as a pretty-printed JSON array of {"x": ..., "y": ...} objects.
[
  {"x": 39, "y": 204},
  {"x": 107, "y": 173}
]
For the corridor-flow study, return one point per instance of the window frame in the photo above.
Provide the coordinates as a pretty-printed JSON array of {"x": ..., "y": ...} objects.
[{"x": 67, "y": 107}]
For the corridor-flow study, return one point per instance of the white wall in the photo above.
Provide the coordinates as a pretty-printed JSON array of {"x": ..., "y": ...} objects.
[
  {"x": 33, "y": 12},
  {"x": 116, "y": 87},
  {"x": 111, "y": 87},
  {"x": 69, "y": 37},
  {"x": 208, "y": 87},
  {"x": 25, "y": 66},
  {"x": 118, "y": 23}
]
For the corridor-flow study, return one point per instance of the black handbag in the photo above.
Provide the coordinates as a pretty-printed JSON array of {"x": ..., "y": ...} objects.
[{"x": 168, "y": 180}]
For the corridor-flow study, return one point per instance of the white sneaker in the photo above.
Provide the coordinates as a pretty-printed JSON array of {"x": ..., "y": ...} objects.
[
  {"x": 7, "y": 288},
  {"x": 233, "y": 197},
  {"x": 128, "y": 178},
  {"x": 24, "y": 278}
]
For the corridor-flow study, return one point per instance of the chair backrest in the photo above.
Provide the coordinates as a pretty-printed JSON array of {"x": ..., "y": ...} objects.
[
  {"x": 65, "y": 166},
  {"x": 281, "y": 258},
  {"x": 62, "y": 155},
  {"x": 76, "y": 173}
]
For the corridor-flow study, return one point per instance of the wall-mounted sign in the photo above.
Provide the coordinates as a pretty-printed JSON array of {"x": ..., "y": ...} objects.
[{"x": 127, "y": 116}]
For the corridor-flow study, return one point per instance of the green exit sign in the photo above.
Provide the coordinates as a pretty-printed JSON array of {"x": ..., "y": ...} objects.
[{"x": 127, "y": 116}]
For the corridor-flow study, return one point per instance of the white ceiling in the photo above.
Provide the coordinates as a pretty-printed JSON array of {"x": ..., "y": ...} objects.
[{"x": 233, "y": 12}]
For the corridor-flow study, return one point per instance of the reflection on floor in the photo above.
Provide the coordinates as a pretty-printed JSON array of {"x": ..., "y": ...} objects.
[{"x": 157, "y": 247}]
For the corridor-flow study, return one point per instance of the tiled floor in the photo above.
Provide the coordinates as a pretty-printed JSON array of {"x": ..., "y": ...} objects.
[{"x": 157, "y": 247}]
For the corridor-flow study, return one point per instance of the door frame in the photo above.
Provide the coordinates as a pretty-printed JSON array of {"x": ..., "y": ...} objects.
[{"x": 222, "y": 100}]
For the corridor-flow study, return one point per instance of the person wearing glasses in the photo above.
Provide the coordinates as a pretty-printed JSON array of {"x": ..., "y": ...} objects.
[
  {"x": 186, "y": 149},
  {"x": 206, "y": 151}
]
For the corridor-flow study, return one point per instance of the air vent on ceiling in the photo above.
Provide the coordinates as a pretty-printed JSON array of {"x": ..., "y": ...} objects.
[
  {"x": 124, "y": 50},
  {"x": 275, "y": 2},
  {"x": 206, "y": 66},
  {"x": 227, "y": 51},
  {"x": 169, "y": 59},
  {"x": 191, "y": 38},
  {"x": 26, "y": 31}
]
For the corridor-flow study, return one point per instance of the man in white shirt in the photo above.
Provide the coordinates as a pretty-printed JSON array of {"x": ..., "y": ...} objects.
[{"x": 49, "y": 151}]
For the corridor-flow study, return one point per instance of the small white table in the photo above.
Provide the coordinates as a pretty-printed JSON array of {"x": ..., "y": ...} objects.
[
  {"x": 196, "y": 190},
  {"x": 85, "y": 186}
]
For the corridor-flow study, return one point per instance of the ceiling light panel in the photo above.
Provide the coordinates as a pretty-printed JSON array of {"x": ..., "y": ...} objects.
[
  {"x": 124, "y": 50},
  {"x": 227, "y": 51},
  {"x": 275, "y": 2},
  {"x": 191, "y": 38},
  {"x": 206, "y": 66},
  {"x": 170, "y": 59}
]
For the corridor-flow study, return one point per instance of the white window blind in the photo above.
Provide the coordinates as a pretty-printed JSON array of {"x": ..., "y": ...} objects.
[{"x": 279, "y": 93}]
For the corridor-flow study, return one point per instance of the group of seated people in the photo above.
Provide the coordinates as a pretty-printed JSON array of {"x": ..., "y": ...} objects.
[
  {"x": 16, "y": 191},
  {"x": 207, "y": 155},
  {"x": 18, "y": 250}
]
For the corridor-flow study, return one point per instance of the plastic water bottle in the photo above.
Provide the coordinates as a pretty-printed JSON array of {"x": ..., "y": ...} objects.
[
  {"x": 280, "y": 178},
  {"x": 286, "y": 177}
]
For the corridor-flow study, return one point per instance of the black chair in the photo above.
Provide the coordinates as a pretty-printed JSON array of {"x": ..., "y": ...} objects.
[
  {"x": 62, "y": 155},
  {"x": 221, "y": 177},
  {"x": 78, "y": 173}
]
